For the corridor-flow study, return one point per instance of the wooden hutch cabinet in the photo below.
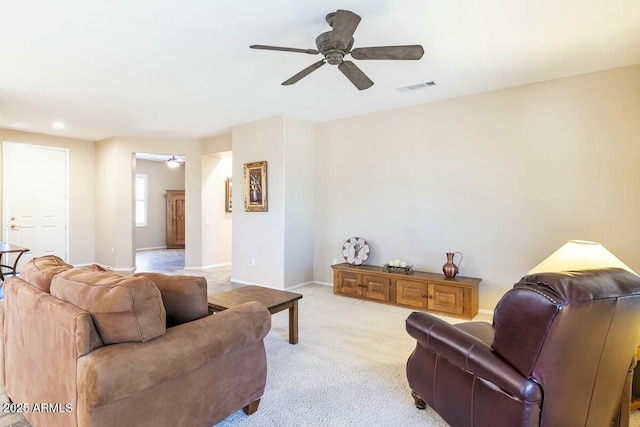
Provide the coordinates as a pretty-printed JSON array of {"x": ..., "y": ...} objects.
[
  {"x": 457, "y": 297},
  {"x": 175, "y": 219}
]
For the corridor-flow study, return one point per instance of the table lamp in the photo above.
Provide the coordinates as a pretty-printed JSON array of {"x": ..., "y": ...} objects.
[{"x": 579, "y": 255}]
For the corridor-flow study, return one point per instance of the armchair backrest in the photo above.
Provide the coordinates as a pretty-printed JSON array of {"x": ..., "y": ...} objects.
[{"x": 575, "y": 334}]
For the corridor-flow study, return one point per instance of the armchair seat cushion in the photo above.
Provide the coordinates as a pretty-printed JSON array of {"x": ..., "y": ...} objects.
[
  {"x": 119, "y": 371},
  {"x": 123, "y": 308}
]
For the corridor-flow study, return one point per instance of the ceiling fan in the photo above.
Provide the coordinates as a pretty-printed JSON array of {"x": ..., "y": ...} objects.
[{"x": 334, "y": 45}]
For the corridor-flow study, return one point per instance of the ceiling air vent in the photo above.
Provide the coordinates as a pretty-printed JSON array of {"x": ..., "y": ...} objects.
[{"x": 415, "y": 86}]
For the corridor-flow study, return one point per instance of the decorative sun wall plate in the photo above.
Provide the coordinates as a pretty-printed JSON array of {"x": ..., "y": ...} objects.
[{"x": 355, "y": 251}]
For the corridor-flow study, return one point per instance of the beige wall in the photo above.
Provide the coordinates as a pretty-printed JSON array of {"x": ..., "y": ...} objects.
[
  {"x": 82, "y": 218},
  {"x": 298, "y": 202},
  {"x": 160, "y": 178},
  {"x": 504, "y": 177},
  {"x": 280, "y": 241},
  {"x": 106, "y": 204},
  {"x": 217, "y": 166},
  {"x": 217, "y": 144},
  {"x": 259, "y": 235},
  {"x": 216, "y": 232},
  {"x": 116, "y": 160}
]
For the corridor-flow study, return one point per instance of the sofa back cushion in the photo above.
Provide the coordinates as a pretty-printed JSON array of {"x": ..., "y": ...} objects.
[
  {"x": 39, "y": 271},
  {"x": 123, "y": 308},
  {"x": 184, "y": 297}
]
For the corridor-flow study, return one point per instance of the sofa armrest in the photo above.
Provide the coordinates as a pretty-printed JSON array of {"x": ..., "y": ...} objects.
[
  {"x": 44, "y": 337},
  {"x": 184, "y": 297},
  {"x": 471, "y": 354},
  {"x": 117, "y": 371}
]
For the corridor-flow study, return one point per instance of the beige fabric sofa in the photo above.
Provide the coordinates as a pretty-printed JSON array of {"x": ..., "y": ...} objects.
[{"x": 82, "y": 347}]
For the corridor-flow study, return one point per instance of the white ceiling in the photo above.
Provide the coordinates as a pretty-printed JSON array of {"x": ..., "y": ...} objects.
[{"x": 169, "y": 68}]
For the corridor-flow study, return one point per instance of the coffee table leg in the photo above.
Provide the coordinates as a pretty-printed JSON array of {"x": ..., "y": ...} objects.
[{"x": 293, "y": 323}]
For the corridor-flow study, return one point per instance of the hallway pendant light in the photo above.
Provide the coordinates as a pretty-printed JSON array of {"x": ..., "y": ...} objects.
[{"x": 173, "y": 162}]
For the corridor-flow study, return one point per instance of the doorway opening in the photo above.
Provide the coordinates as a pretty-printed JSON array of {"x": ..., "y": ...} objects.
[{"x": 159, "y": 237}]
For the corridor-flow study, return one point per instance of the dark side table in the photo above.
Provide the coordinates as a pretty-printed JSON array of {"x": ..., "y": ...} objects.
[{"x": 8, "y": 248}]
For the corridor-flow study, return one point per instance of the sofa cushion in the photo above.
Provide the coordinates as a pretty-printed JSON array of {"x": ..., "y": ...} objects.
[
  {"x": 39, "y": 271},
  {"x": 184, "y": 297},
  {"x": 123, "y": 308}
]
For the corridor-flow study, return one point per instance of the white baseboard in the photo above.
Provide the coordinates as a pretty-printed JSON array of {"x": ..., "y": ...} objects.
[
  {"x": 150, "y": 249},
  {"x": 244, "y": 282},
  {"x": 485, "y": 311},
  {"x": 204, "y": 267},
  {"x": 299, "y": 285},
  {"x": 323, "y": 283}
]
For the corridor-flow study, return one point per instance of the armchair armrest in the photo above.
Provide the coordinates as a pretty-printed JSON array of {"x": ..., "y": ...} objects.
[
  {"x": 116, "y": 371},
  {"x": 470, "y": 354}
]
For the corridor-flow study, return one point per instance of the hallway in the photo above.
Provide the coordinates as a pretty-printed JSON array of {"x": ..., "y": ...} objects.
[
  {"x": 160, "y": 260},
  {"x": 171, "y": 261}
]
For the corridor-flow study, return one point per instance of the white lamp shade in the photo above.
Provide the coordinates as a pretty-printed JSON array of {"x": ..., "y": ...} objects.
[{"x": 579, "y": 255}]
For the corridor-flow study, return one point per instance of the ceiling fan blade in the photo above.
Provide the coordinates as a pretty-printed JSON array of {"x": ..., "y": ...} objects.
[
  {"x": 285, "y": 49},
  {"x": 411, "y": 52},
  {"x": 345, "y": 23},
  {"x": 355, "y": 74},
  {"x": 304, "y": 73}
]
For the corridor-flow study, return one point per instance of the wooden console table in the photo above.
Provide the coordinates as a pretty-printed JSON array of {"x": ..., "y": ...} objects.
[{"x": 457, "y": 297}]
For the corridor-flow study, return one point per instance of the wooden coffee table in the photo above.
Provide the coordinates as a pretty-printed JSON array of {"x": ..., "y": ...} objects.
[{"x": 275, "y": 300}]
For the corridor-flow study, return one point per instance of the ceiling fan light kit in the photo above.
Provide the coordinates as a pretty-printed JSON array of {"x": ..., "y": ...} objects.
[
  {"x": 174, "y": 162},
  {"x": 334, "y": 45}
]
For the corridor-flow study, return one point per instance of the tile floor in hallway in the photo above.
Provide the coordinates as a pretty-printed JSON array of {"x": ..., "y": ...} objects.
[{"x": 171, "y": 261}]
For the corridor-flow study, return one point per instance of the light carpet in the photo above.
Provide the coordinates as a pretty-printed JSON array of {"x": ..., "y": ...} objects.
[{"x": 348, "y": 368}]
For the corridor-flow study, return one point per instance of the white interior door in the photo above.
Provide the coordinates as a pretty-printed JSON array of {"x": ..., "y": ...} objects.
[{"x": 35, "y": 199}]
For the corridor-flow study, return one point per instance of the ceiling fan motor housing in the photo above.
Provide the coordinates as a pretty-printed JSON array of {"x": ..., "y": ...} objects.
[{"x": 333, "y": 56}]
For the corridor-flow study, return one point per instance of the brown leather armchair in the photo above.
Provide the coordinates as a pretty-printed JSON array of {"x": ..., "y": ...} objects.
[{"x": 560, "y": 352}]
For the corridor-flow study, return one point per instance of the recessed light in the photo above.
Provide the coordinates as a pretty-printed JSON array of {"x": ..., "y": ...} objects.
[{"x": 58, "y": 125}]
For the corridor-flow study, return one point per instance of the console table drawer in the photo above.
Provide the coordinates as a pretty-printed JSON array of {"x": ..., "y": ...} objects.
[
  {"x": 376, "y": 287},
  {"x": 446, "y": 299},
  {"x": 411, "y": 293},
  {"x": 350, "y": 283}
]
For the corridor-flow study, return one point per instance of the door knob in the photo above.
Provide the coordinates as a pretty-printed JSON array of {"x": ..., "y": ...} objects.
[{"x": 15, "y": 227}]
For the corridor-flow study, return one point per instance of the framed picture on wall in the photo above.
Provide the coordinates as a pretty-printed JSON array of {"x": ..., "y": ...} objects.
[
  {"x": 227, "y": 195},
  {"x": 255, "y": 186}
]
